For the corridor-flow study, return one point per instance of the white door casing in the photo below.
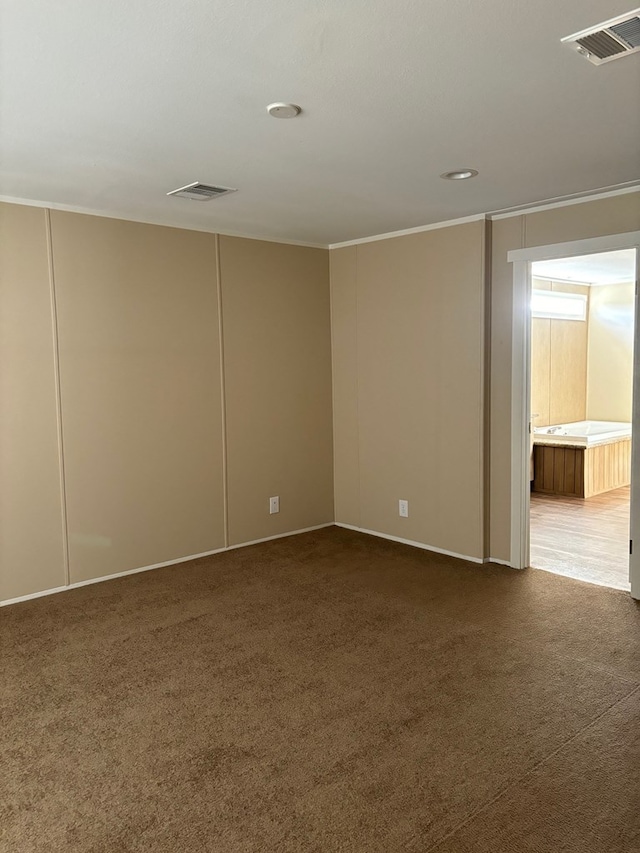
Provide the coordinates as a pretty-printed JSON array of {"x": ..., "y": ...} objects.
[{"x": 521, "y": 385}]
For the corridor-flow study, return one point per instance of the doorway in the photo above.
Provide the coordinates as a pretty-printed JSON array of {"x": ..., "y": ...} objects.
[
  {"x": 582, "y": 334},
  {"x": 574, "y": 496}
]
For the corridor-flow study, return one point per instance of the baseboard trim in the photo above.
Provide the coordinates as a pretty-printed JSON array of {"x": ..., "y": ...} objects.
[
  {"x": 499, "y": 562},
  {"x": 175, "y": 562},
  {"x": 411, "y": 542},
  {"x": 280, "y": 536}
]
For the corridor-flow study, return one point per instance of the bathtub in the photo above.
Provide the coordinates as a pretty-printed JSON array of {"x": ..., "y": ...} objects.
[
  {"x": 581, "y": 459},
  {"x": 582, "y": 433}
]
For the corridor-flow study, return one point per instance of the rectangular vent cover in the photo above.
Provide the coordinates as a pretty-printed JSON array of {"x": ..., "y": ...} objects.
[
  {"x": 611, "y": 40},
  {"x": 201, "y": 192}
]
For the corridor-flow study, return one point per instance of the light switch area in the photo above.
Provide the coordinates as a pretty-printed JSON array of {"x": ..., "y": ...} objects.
[
  {"x": 274, "y": 505},
  {"x": 403, "y": 509}
]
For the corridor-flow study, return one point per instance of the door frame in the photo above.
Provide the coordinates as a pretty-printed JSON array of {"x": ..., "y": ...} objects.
[{"x": 521, "y": 390}]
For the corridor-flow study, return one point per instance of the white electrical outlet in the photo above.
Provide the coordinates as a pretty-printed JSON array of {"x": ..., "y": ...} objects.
[
  {"x": 403, "y": 509},
  {"x": 274, "y": 505}
]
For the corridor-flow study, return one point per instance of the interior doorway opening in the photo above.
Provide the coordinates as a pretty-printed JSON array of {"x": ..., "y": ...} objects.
[
  {"x": 581, "y": 393},
  {"x": 521, "y": 391}
]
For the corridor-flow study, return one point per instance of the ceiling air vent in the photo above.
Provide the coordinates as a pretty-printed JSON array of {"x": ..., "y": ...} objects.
[
  {"x": 201, "y": 192},
  {"x": 612, "y": 40}
]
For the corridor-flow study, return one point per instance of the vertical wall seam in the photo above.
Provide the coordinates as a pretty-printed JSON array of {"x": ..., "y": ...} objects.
[
  {"x": 58, "y": 394},
  {"x": 357, "y": 330},
  {"x": 223, "y": 397},
  {"x": 485, "y": 448},
  {"x": 333, "y": 384}
]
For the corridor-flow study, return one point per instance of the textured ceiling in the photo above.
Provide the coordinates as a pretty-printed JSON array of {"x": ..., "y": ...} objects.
[
  {"x": 107, "y": 106},
  {"x": 604, "y": 268}
]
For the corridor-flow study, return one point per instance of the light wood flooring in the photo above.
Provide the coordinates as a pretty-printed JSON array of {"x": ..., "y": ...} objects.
[{"x": 585, "y": 538}]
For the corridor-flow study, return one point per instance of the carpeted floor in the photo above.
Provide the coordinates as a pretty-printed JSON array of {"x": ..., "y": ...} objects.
[{"x": 326, "y": 692}]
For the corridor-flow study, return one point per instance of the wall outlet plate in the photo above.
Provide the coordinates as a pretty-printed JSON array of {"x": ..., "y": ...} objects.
[
  {"x": 403, "y": 509},
  {"x": 274, "y": 505}
]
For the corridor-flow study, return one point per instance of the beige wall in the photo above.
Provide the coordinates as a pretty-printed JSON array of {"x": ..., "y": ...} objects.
[
  {"x": 598, "y": 218},
  {"x": 610, "y": 374},
  {"x": 408, "y": 338},
  {"x": 141, "y": 386},
  {"x": 138, "y": 320},
  {"x": 540, "y": 364},
  {"x": 31, "y": 524},
  {"x": 559, "y": 363},
  {"x": 344, "y": 332},
  {"x": 277, "y": 364}
]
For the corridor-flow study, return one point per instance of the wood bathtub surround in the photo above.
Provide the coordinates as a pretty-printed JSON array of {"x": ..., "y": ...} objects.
[{"x": 582, "y": 471}]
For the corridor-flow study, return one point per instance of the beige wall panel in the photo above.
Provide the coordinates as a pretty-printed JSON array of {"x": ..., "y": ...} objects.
[
  {"x": 31, "y": 532},
  {"x": 573, "y": 222},
  {"x": 344, "y": 320},
  {"x": 277, "y": 356},
  {"x": 540, "y": 362},
  {"x": 568, "y": 374},
  {"x": 420, "y": 363},
  {"x": 140, "y": 382},
  {"x": 581, "y": 221},
  {"x": 558, "y": 363},
  {"x": 610, "y": 368},
  {"x": 540, "y": 370}
]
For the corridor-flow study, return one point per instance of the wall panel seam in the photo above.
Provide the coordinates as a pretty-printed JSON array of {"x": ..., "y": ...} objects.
[
  {"x": 223, "y": 397},
  {"x": 357, "y": 342},
  {"x": 333, "y": 386},
  {"x": 58, "y": 396},
  {"x": 485, "y": 395}
]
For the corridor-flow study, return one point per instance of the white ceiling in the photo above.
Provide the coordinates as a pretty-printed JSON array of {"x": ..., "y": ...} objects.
[
  {"x": 604, "y": 268},
  {"x": 108, "y": 105}
]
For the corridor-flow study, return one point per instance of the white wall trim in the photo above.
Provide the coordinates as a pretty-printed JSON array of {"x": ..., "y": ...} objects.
[
  {"x": 280, "y": 536},
  {"x": 175, "y": 562},
  {"x": 566, "y": 201},
  {"x": 435, "y": 226},
  {"x": 535, "y": 207},
  {"x": 129, "y": 217},
  {"x": 498, "y": 561},
  {"x": 520, "y": 414},
  {"x": 411, "y": 542}
]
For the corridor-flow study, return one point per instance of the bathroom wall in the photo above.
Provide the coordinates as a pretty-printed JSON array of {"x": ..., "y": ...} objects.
[
  {"x": 559, "y": 362},
  {"x": 141, "y": 423},
  {"x": 610, "y": 363}
]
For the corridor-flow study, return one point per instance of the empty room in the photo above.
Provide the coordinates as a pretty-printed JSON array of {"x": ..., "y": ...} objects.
[{"x": 312, "y": 399}]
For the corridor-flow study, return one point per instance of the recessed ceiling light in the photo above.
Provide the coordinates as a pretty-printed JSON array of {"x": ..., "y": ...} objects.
[
  {"x": 281, "y": 110},
  {"x": 459, "y": 174}
]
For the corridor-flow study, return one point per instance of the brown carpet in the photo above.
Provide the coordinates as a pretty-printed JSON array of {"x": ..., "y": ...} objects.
[{"x": 326, "y": 692}]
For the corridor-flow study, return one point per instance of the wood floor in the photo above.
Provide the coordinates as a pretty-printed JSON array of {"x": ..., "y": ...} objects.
[{"x": 582, "y": 538}]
